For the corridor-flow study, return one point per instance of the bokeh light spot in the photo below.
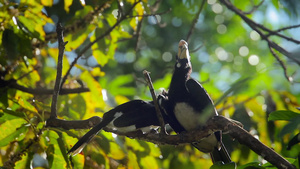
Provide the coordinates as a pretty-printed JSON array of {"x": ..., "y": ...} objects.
[
  {"x": 253, "y": 60},
  {"x": 243, "y": 51},
  {"x": 211, "y": 2},
  {"x": 254, "y": 35},
  {"x": 221, "y": 29},
  {"x": 219, "y": 19},
  {"x": 176, "y": 22},
  {"x": 167, "y": 56},
  {"x": 221, "y": 54},
  {"x": 217, "y": 8}
]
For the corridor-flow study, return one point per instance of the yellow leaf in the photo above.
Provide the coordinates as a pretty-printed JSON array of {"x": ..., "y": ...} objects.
[
  {"x": 47, "y": 2},
  {"x": 133, "y": 23},
  {"x": 10, "y": 127},
  {"x": 121, "y": 99},
  {"x": 97, "y": 72},
  {"x": 116, "y": 152},
  {"x": 132, "y": 161},
  {"x": 149, "y": 162},
  {"x": 68, "y": 3}
]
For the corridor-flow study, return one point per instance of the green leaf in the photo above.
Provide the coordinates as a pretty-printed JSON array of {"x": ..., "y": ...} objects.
[
  {"x": 234, "y": 88},
  {"x": 252, "y": 165},
  {"x": 10, "y": 43},
  {"x": 283, "y": 115},
  {"x": 14, "y": 113},
  {"x": 3, "y": 98},
  {"x": 290, "y": 127},
  {"x": 217, "y": 165},
  {"x": 117, "y": 86},
  {"x": 10, "y": 131}
]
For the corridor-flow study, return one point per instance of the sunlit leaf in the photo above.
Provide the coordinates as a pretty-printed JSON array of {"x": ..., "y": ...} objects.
[
  {"x": 78, "y": 38},
  {"x": 133, "y": 23},
  {"x": 115, "y": 151},
  {"x": 11, "y": 130},
  {"x": 68, "y": 3},
  {"x": 121, "y": 99},
  {"x": 149, "y": 162},
  {"x": 23, "y": 163},
  {"x": 132, "y": 160},
  {"x": 47, "y": 2},
  {"x": 56, "y": 156}
]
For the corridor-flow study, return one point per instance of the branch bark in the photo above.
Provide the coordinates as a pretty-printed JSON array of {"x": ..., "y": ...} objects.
[
  {"x": 216, "y": 123},
  {"x": 158, "y": 112}
]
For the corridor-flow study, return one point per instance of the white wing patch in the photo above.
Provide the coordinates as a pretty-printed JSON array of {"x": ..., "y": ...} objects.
[{"x": 189, "y": 118}]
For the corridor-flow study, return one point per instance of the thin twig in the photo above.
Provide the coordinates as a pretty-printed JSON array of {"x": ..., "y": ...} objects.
[
  {"x": 138, "y": 33},
  {"x": 255, "y": 7},
  {"x": 123, "y": 17},
  {"x": 290, "y": 79},
  {"x": 26, "y": 74},
  {"x": 286, "y": 28},
  {"x": 147, "y": 15},
  {"x": 158, "y": 112},
  {"x": 259, "y": 29},
  {"x": 195, "y": 21},
  {"x": 61, "y": 47}
]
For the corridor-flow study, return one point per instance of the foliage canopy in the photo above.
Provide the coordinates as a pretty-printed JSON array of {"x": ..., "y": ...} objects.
[{"x": 249, "y": 66}]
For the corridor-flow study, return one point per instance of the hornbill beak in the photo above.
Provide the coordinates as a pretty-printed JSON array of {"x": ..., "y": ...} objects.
[{"x": 183, "y": 51}]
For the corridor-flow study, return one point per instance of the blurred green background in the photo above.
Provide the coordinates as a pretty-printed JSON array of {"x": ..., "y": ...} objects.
[{"x": 230, "y": 59}]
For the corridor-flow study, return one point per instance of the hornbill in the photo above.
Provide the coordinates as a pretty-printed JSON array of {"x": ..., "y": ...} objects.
[
  {"x": 127, "y": 117},
  {"x": 188, "y": 106}
]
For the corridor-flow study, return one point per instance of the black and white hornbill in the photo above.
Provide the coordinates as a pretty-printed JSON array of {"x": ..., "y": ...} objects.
[
  {"x": 127, "y": 117},
  {"x": 188, "y": 106}
]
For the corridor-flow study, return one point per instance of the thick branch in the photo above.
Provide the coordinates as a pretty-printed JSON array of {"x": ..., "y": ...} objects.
[
  {"x": 215, "y": 124},
  {"x": 74, "y": 124},
  {"x": 43, "y": 91}
]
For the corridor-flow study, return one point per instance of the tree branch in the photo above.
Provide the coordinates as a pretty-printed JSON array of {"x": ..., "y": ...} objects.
[
  {"x": 61, "y": 48},
  {"x": 74, "y": 124},
  {"x": 158, "y": 112},
  {"x": 216, "y": 123},
  {"x": 42, "y": 91},
  {"x": 195, "y": 20},
  {"x": 260, "y": 29}
]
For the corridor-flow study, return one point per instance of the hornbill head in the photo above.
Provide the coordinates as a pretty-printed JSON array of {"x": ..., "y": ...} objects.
[{"x": 183, "y": 56}]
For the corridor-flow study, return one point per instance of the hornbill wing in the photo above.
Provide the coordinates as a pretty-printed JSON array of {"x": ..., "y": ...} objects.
[
  {"x": 204, "y": 104},
  {"x": 129, "y": 116},
  {"x": 140, "y": 116},
  {"x": 201, "y": 100}
]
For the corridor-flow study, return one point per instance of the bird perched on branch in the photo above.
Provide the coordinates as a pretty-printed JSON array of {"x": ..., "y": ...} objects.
[
  {"x": 188, "y": 106},
  {"x": 127, "y": 117}
]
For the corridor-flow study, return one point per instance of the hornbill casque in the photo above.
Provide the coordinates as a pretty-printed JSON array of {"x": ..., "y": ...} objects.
[
  {"x": 130, "y": 116},
  {"x": 188, "y": 106}
]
